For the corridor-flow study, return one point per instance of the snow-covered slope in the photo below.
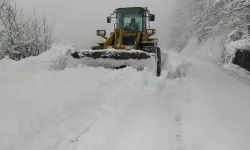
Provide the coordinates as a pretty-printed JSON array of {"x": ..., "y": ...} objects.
[{"x": 45, "y": 107}]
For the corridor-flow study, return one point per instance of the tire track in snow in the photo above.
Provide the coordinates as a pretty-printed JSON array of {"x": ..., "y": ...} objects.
[
  {"x": 138, "y": 123},
  {"x": 180, "y": 105},
  {"x": 180, "y": 114}
]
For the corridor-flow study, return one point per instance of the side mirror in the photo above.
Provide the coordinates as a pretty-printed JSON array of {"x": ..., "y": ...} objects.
[
  {"x": 101, "y": 32},
  {"x": 248, "y": 28},
  {"x": 108, "y": 19},
  {"x": 152, "y": 17}
]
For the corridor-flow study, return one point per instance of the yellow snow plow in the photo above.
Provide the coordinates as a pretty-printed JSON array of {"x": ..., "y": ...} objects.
[{"x": 128, "y": 45}]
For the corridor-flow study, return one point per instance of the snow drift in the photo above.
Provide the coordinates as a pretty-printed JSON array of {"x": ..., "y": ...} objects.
[
  {"x": 46, "y": 105},
  {"x": 58, "y": 58}
]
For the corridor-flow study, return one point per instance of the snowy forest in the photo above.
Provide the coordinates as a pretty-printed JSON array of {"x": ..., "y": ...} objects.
[
  {"x": 201, "y": 18},
  {"x": 22, "y": 35}
]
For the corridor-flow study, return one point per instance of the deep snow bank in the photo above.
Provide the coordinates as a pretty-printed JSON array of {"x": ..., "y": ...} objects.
[{"x": 45, "y": 104}]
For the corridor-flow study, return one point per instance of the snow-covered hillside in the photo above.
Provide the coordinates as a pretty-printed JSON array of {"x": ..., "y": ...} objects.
[{"x": 45, "y": 105}]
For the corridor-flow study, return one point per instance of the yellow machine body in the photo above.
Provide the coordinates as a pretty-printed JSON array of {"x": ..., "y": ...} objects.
[
  {"x": 130, "y": 42},
  {"x": 115, "y": 40}
]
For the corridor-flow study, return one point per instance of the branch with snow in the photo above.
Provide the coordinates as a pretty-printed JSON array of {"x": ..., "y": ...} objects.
[{"x": 214, "y": 16}]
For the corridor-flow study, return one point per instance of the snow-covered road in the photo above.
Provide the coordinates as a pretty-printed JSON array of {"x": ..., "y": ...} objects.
[
  {"x": 98, "y": 109},
  {"x": 219, "y": 113},
  {"x": 138, "y": 123}
]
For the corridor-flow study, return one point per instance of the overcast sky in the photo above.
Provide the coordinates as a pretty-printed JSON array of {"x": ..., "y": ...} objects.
[{"x": 76, "y": 21}]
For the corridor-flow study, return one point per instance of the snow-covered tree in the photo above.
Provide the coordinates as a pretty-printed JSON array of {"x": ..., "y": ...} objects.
[
  {"x": 204, "y": 17},
  {"x": 22, "y": 37},
  {"x": 188, "y": 12}
]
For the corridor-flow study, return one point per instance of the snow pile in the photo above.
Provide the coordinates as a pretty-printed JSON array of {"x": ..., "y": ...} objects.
[
  {"x": 172, "y": 63},
  {"x": 53, "y": 59},
  {"x": 58, "y": 58}
]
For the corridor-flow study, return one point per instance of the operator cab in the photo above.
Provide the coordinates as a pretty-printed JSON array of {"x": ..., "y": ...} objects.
[{"x": 132, "y": 19}]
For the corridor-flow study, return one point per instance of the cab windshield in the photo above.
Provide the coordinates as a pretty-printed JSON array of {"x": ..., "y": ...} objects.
[{"x": 130, "y": 19}]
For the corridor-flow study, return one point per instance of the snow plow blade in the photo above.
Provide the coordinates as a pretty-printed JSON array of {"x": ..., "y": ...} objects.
[
  {"x": 114, "y": 59},
  {"x": 114, "y": 54}
]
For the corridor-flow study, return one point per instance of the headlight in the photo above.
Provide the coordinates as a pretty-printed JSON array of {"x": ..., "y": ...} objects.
[
  {"x": 101, "y": 32},
  {"x": 150, "y": 31}
]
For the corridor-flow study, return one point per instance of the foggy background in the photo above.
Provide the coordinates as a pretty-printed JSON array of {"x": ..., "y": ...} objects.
[{"x": 76, "y": 21}]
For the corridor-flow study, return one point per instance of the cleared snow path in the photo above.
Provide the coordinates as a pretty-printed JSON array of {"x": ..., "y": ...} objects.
[
  {"x": 147, "y": 123},
  {"x": 219, "y": 115}
]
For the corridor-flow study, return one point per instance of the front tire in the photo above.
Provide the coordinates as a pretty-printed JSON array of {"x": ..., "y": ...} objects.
[
  {"x": 157, "y": 52},
  {"x": 149, "y": 49},
  {"x": 158, "y": 61},
  {"x": 95, "y": 48}
]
